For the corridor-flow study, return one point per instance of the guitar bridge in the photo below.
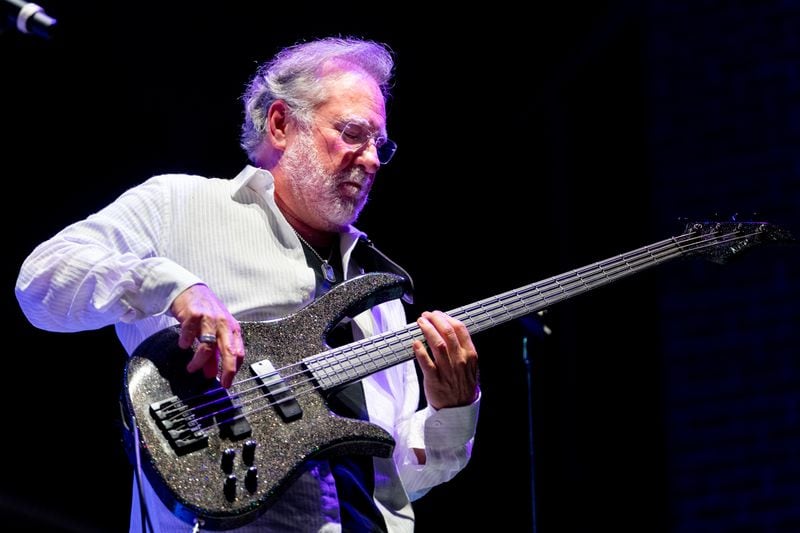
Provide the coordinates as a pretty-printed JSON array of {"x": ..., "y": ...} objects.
[{"x": 179, "y": 425}]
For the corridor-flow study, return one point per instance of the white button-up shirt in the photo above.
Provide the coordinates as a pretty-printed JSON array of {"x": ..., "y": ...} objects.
[{"x": 125, "y": 264}]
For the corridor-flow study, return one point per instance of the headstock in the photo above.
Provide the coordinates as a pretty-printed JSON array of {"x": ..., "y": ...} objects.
[{"x": 719, "y": 241}]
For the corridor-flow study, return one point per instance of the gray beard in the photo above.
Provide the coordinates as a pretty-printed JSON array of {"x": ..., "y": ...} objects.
[{"x": 317, "y": 189}]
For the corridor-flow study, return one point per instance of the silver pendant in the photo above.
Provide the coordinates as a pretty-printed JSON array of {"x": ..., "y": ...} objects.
[{"x": 327, "y": 272}]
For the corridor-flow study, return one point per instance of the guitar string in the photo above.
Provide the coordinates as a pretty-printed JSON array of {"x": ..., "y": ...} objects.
[
  {"x": 331, "y": 354},
  {"x": 686, "y": 243},
  {"x": 328, "y": 355}
]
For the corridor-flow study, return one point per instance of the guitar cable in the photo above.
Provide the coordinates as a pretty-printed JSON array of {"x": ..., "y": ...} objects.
[{"x": 145, "y": 516}]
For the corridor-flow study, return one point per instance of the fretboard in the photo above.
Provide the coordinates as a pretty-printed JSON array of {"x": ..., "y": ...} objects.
[{"x": 354, "y": 361}]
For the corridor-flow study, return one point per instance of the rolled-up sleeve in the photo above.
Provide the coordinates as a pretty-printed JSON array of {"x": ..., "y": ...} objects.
[{"x": 104, "y": 269}]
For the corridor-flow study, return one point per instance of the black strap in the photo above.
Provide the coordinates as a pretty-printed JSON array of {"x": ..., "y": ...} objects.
[
  {"x": 355, "y": 483},
  {"x": 354, "y": 475},
  {"x": 373, "y": 260}
]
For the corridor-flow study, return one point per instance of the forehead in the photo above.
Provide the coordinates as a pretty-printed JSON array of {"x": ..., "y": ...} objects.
[{"x": 354, "y": 95}]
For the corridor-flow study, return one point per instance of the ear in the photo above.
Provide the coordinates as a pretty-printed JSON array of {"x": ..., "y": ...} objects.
[{"x": 277, "y": 122}]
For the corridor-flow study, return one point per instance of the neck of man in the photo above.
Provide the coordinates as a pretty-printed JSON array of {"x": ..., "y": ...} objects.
[{"x": 321, "y": 240}]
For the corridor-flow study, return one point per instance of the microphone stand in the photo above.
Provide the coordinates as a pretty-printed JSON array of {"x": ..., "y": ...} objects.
[
  {"x": 529, "y": 373},
  {"x": 539, "y": 331}
]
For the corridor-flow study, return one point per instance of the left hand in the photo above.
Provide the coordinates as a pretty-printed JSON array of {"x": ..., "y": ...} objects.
[{"x": 450, "y": 377}]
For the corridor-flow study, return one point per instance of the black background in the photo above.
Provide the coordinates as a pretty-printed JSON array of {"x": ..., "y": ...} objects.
[{"x": 522, "y": 154}]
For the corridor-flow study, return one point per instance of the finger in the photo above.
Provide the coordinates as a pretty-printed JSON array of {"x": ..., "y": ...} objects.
[
  {"x": 434, "y": 360},
  {"x": 211, "y": 368},
  {"x": 205, "y": 345},
  {"x": 232, "y": 353},
  {"x": 203, "y": 356},
  {"x": 430, "y": 333},
  {"x": 189, "y": 332},
  {"x": 443, "y": 341},
  {"x": 464, "y": 338},
  {"x": 448, "y": 328},
  {"x": 423, "y": 358},
  {"x": 466, "y": 349}
]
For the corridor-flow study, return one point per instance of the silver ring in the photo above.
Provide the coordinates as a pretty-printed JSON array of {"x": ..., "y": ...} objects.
[{"x": 207, "y": 338}]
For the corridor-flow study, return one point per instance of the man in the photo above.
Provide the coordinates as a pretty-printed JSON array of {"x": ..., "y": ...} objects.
[{"x": 207, "y": 253}]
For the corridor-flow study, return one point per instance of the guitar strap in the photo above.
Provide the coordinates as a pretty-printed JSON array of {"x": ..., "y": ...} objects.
[
  {"x": 355, "y": 475},
  {"x": 373, "y": 260}
]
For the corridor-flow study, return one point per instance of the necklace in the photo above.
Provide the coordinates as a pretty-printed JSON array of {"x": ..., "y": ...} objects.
[{"x": 324, "y": 266}]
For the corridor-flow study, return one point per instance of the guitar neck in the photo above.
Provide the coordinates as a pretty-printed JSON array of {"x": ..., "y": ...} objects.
[
  {"x": 516, "y": 303},
  {"x": 351, "y": 362},
  {"x": 718, "y": 241}
]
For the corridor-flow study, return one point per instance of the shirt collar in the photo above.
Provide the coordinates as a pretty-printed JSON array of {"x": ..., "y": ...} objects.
[
  {"x": 262, "y": 181},
  {"x": 255, "y": 178}
]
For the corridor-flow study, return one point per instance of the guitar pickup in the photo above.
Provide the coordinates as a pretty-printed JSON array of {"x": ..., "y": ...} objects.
[
  {"x": 232, "y": 423},
  {"x": 179, "y": 425},
  {"x": 278, "y": 393}
]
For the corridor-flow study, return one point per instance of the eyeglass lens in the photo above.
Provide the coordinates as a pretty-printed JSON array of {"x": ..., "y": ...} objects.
[{"x": 358, "y": 135}]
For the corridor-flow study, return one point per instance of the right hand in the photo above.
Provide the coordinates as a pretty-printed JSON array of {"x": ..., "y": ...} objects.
[{"x": 200, "y": 312}]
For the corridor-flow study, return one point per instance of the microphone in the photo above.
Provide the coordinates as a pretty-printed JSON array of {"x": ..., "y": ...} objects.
[{"x": 28, "y": 17}]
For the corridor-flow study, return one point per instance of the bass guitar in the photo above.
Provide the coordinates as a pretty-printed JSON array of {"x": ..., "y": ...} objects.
[{"x": 220, "y": 457}]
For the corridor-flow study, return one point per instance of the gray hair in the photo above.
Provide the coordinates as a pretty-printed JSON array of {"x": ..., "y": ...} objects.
[{"x": 294, "y": 76}]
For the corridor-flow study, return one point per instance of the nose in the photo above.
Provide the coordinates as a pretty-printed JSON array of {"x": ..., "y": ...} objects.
[{"x": 367, "y": 157}]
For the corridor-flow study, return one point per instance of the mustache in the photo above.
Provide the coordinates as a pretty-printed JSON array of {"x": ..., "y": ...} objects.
[{"x": 355, "y": 175}]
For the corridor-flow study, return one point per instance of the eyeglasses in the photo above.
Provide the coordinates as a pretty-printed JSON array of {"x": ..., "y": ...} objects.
[{"x": 357, "y": 135}]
